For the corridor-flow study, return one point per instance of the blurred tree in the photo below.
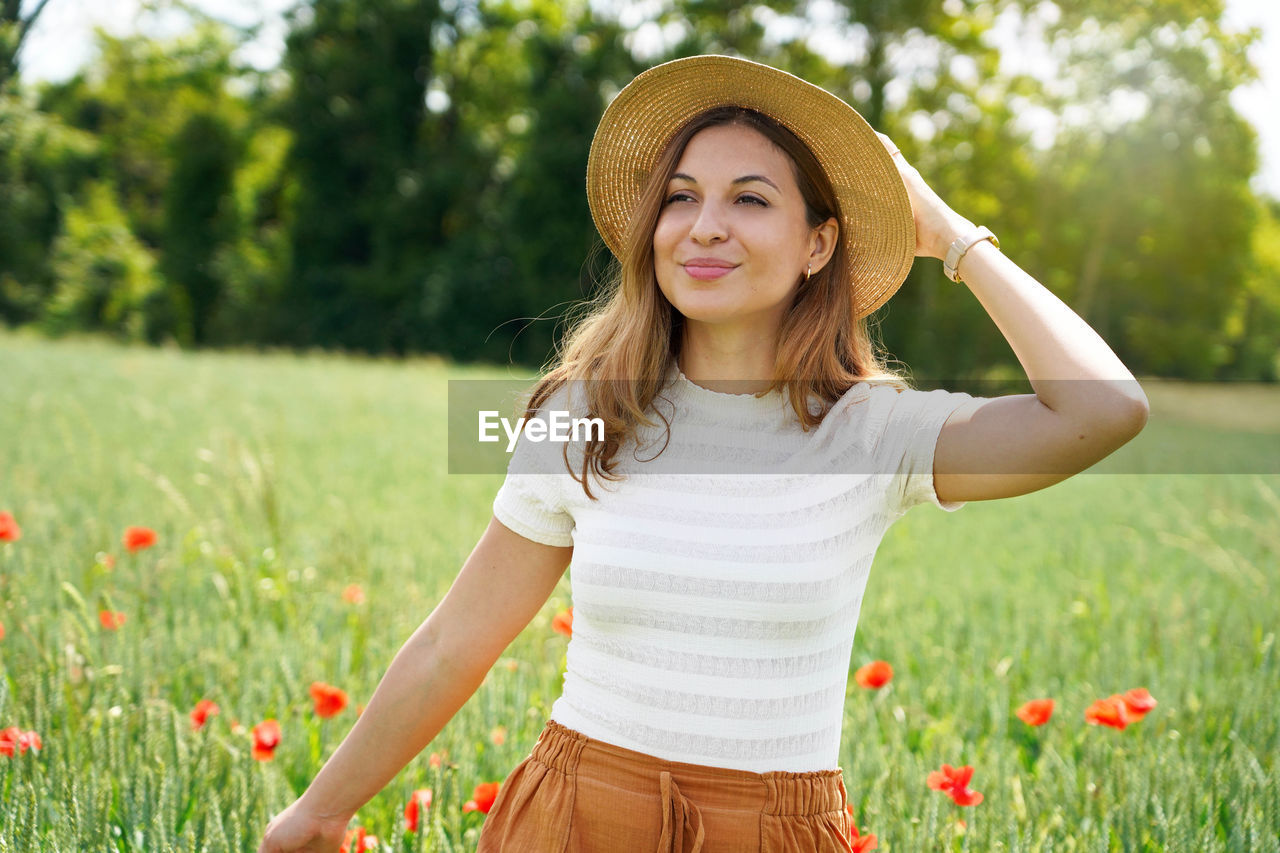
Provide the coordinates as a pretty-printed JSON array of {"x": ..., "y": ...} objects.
[
  {"x": 536, "y": 259},
  {"x": 1146, "y": 185},
  {"x": 1111, "y": 213},
  {"x": 136, "y": 98},
  {"x": 14, "y": 28},
  {"x": 199, "y": 213},
  {"x": 417, "y": 184},
  {"x": 253, "y": 264},
  {"x": 1253, "y": 325},
  {"x": 474, "y": 208},
  {"x": 723, "y": 26},
  {"x": 169, "y": 132},
  {"x": 953, "y": 116},
  {"x": 106, "y": 278},
  {"x": 357, "y": 111},
  {"x": 42, "y": 161}
]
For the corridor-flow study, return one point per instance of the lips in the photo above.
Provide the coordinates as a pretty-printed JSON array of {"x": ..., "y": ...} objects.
[{"x": 707, "y": 268}]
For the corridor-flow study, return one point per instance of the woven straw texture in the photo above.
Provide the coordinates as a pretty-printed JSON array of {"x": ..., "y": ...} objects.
[{"x": 875, "y": 211}]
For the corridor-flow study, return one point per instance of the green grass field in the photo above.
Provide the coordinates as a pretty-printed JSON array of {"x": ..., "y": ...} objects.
[{"x": 275, "y": 481}]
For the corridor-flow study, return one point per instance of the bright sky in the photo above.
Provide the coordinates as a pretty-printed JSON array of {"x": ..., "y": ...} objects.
[{"x": 62, "y": 40}]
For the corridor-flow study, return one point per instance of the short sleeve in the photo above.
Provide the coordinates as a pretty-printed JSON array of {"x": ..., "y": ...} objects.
[
  {"x": 531, "y": 500},
  {"x": 911, "y": 437}
]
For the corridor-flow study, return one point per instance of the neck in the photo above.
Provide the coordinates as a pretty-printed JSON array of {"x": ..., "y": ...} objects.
[{"x": 729, "y": 360}]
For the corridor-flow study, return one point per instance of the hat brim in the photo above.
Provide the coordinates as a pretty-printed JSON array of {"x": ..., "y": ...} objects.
[{"x": 875, "y": 211}]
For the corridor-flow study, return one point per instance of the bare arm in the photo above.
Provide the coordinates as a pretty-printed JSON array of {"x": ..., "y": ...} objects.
[
  {"x": 502, "y": 585},
  {"x": 1086, "y": 402}
]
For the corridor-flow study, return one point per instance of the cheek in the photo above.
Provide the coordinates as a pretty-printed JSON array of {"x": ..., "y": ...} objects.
[
  {"x": 664, "y": 244},
  {"x": 666, "y": 234},
  {"x": 795, "y": 247}
]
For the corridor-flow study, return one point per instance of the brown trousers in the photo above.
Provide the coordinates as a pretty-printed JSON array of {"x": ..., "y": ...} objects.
[{"x": 575, "y": 794}]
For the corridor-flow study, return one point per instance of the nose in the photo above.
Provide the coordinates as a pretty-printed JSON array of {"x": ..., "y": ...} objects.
[{"x": 709, "y": 227}]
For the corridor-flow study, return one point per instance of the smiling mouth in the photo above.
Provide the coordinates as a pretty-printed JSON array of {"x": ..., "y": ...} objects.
[{"x": 707, "y": 271}]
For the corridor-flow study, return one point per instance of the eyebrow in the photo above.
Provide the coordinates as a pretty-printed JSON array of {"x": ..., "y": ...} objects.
[{"x": 745, "y": 179}]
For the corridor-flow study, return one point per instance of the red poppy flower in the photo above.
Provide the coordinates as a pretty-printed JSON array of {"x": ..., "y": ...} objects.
[
  {"x": 358, "y": 840},
  {"x": 859, "y": 843},
  {"x": 1108, "y": 712},
  {"x": 353, "y": 594},
  {"x": 266, "y": 737},
  {"x": 329, "y": 700},
  {"x": 418, "y": 804},
  {"x": 874, "y": 675},
  {"x": 203, "y": 710},
  {"x": 9, "y": 529},
  {"x": 1036, "y": 712},
  {"x": 1137, "y": 703},
  {"x": 482, "y": 797},
  {"x": 137, "y": 538},
  {"x": 111, "y": 620},
  {"x": 563, "y": 622},
  {"x": 498, "y": 735},
  {"x": 1, "y": 630},
  {"x": 434, "y": 760},
  {"x": 954, "y": 782},
  {"x": 14, "y": 740},
  {"x": 9, "y": 740}
]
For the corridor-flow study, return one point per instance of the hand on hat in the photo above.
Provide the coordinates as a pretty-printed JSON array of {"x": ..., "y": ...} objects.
[{"x": 937, "y": 225}]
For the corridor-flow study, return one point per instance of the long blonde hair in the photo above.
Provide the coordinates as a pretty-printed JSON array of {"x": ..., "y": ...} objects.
[{"x": 629, "y": 335}]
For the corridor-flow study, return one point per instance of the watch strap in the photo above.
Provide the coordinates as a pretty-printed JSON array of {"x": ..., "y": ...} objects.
[{"x": 962, "y": 244}]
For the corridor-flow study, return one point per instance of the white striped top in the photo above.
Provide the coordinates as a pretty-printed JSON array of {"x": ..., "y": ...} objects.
[{"x": 716, "y": 589}]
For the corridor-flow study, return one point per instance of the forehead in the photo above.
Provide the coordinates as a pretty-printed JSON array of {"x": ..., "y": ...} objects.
[{"x": 735, "y": 148}]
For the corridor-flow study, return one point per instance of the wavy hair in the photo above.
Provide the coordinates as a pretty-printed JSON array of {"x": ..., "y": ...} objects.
[{"x": 628, "y": 337}]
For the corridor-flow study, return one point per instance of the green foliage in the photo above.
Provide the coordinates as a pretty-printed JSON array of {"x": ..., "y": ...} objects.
[
  {"x": 14, "y": 28},
  {"x": 199, "y": 215},
  {"x": 253, "y": 263},
  {"x": 1253, "y": 325},
  {"x": 41, "y": 161},
  {"x": 106, "y": 279},
  {"x": 411, "y": 178},
  {"x": 528, "y": 252},
  {"x": 168, "y": 138},
  {"x": 1162, "y": 208},
  {"x": 356, "y": 112},
  {"x": 137, "y": 98}
]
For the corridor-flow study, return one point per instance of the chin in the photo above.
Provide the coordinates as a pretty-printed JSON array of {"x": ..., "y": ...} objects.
[{"x": 708, "y": 310}]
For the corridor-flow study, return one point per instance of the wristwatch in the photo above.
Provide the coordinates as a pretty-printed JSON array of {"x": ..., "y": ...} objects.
[{"x": 962, "y": 244}]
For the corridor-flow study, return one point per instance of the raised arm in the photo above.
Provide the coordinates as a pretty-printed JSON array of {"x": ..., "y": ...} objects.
[
  {"x": 1086, "y": 402},
  {"x": 504, "y": 582}
]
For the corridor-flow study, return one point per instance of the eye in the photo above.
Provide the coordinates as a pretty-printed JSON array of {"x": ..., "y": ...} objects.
[
  {"x": 754, "y": 199},
  {"x": 680, "y": 196}
]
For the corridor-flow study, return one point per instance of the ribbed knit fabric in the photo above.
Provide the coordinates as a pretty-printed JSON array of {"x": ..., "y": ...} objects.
[{"x": 714, "y": 613}]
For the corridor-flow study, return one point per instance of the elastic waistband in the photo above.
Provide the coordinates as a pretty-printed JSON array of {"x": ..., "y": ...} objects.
[{"x": 778, "y": 792}]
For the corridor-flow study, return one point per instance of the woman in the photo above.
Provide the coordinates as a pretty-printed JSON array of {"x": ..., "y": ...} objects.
[{"x": 755, "y": 451}]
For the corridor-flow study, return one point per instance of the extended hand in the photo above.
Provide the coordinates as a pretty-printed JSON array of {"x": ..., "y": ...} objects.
[
  {"x": 298, "y": 830},
  {"x": 937, "y": 225}
]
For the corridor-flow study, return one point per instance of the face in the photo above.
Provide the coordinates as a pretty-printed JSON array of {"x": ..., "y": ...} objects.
[{"x": 732, "y": 243}]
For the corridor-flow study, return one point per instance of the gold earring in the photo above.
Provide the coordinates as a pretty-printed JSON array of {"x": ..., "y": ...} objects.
[{"x": 808, "y": 272}]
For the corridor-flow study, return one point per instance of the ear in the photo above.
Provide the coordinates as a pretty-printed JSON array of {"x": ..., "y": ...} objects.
[{"x": 822, "y": 243}]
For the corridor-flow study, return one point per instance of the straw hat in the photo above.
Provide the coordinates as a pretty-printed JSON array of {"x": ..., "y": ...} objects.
[{"x": 875, "y": 213}]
